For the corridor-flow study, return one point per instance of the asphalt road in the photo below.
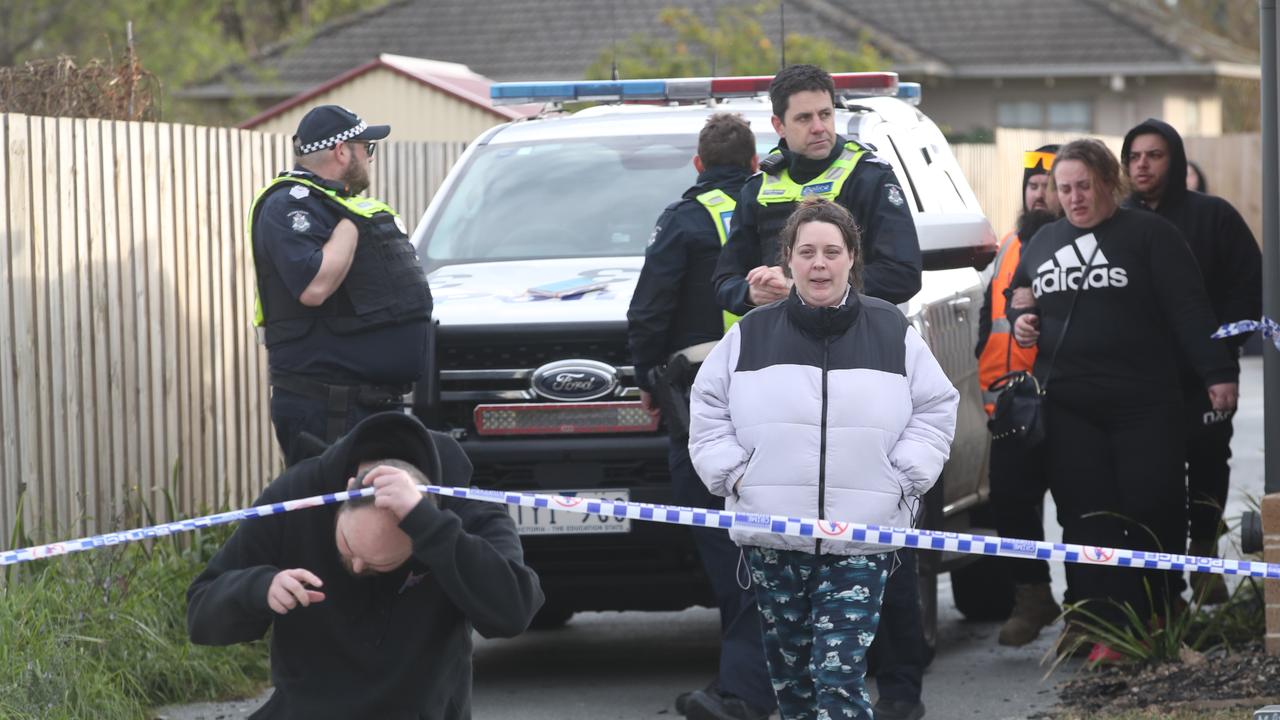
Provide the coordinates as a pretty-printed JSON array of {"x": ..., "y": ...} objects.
[{"x": 629, "y": 666}]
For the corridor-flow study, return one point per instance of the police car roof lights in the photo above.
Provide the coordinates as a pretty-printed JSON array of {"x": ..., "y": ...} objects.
[
  {"x": 909, "y": 92},
  {"x": 859, "y": 84}
]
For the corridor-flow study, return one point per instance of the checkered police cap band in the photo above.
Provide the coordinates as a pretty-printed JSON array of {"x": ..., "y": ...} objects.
[{"x": 334, "y": 140}]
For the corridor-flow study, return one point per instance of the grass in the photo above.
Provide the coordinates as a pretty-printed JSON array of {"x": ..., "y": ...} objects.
[{"x": 102, "y": 634}]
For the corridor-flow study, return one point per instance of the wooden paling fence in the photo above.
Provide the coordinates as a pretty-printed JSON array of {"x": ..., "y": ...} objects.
[
  {"x": 995, "y": 170},
  {"x": 129, "y": 373}
]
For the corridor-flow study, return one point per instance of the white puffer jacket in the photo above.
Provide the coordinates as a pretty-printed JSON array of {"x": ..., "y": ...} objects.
[{"x": 840, "y": 413}]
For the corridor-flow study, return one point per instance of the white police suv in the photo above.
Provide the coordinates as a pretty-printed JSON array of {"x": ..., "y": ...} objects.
[{"x": 533, "y": 246}]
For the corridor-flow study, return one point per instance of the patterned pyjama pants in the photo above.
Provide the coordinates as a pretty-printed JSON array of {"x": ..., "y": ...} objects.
[{"x": 820, "y": 614}]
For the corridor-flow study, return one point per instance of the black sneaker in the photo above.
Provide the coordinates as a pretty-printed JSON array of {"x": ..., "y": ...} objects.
[
  {"x": 899, "y": 710},
  {"x": 713, "y": 705},
  {"x": 682, "y": 700}
]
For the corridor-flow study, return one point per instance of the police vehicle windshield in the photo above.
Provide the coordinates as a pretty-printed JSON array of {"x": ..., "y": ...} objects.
[{"x": 586, "y": 197}]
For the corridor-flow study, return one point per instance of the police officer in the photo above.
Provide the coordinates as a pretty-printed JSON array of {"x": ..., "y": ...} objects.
[
  {"x": 1018, "y": 482},
  {"x": 672, "y": 323},
  {"x": 343, "y": 304},
  {"x": 812, "y": 159}
]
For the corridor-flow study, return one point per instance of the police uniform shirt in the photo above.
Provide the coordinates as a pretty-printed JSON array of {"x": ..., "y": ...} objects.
[
  {"x": 674, "y": 306},
  {"x": 293, "y": 225},
  {"x": 891, "y": 266}
]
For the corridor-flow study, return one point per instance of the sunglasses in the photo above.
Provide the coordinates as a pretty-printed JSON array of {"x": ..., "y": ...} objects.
[{"x": 1034, "y": 158}]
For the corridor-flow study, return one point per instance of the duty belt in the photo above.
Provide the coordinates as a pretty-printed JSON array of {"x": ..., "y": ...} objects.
[{"x": 341, "y": 398}]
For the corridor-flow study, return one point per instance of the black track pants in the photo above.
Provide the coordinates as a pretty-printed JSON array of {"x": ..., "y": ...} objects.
[
  {"x": 1018, "y": 485},
  {"x": 1117, "y": 477}
]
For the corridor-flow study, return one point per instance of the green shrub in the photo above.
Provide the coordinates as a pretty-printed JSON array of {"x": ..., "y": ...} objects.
[{"x": 102, "y": 634}]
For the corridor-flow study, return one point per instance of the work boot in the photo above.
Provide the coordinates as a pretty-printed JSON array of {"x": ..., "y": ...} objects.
[
  {"x": 899, "y": 709},
  {"x": 705, "y": 705},
  {"x": 1033, "y": 609},
  {"x": 1207, "y": 588}
]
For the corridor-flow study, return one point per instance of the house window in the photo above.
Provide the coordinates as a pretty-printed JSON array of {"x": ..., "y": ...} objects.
[
  {"x": 1020, "y": 115},
  {"x": 1193, "y": 117},
  {"x": 1073, "y": 115}
]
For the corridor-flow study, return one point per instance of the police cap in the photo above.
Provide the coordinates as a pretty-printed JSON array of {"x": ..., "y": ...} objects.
[{"x": 327, "y": 125}]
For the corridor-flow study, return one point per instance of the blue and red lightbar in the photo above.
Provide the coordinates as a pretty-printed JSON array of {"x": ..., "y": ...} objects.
[{"x": 860, "y": 84}]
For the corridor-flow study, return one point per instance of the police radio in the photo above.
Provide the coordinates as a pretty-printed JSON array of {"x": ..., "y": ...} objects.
[{"x": 772, "y": 164}]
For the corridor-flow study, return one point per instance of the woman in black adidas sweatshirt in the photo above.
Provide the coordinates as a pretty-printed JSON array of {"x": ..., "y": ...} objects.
[{"x": 1115, "y": 431}]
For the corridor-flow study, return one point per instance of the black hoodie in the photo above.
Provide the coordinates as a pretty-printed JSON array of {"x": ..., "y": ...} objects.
[
  {"x": 1229, "y": 258},
  {"x": 391, "y": 645}
]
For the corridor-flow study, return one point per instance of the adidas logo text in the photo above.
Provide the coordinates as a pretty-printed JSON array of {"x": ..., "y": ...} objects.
[{"x": 1066, "y": 270}]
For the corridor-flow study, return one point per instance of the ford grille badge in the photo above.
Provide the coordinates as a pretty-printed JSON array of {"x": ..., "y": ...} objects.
[{"x": 574, "y": 380}]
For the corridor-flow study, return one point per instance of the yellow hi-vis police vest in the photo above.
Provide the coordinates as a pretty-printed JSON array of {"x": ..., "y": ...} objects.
[
  {"x": 780, "y": 188},
  {"x": 361, "y": 206},
  {"x": 721, "y": 207}
]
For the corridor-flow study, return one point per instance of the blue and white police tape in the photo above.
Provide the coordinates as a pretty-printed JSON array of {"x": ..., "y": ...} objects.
[
  {"x": 1270, "y": 329},
  {"x": 700, "y": 517},
  {"x": 38, "y": 552}
]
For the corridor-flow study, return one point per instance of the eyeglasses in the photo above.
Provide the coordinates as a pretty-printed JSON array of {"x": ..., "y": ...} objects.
[
  {"x": 368, "y": 147},
  {"x": 1035, "y": 158}
]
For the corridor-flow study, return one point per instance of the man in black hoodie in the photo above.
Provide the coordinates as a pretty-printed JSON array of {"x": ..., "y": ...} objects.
[
  {"x": 1155, "y": 162},
  {"x": 371, "y": 604},
  {"x": 1018, "y": 481}
]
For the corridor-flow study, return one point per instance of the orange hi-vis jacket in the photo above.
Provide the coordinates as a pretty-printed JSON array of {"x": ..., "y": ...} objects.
[{"x": 1001, "y": 354}]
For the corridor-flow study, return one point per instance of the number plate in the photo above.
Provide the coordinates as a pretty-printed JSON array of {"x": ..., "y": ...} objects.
[{"x": 553, "y": 521}]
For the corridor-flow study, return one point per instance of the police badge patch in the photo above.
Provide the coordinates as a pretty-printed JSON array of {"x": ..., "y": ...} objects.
[
  {"x": 894, "y": 195},
  {"x": 301, "y": 220}
]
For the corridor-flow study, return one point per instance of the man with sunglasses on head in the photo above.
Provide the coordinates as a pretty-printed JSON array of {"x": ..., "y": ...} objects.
[
  {"x": 343, "y": 303},
  {"x": 1018, "y": 480}
]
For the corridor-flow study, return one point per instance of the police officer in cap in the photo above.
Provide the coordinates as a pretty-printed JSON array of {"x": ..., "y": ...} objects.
[{"x": 343, "y": 303}]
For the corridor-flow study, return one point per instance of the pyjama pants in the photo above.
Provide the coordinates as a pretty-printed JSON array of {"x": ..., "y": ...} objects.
[
  {"x": 1117, "y": 477},
  {"x": 820, "y": 614}
]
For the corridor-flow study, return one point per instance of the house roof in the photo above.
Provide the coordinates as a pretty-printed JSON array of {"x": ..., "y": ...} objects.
[
  {"x": 558, "y": 39},
  {"x": 453, "y": 79}
]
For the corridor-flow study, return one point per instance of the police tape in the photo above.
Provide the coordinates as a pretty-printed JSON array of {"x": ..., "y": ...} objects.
[
  {"x": 66, "y": 547},
  {"x": 1270, "y": 329},
  {"x": 700, "y": 517}
]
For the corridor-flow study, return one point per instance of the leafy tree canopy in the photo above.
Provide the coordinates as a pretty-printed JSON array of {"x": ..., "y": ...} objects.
[
  {"x": 180, "y": 41},
  {"x": 735, "y": 45}
]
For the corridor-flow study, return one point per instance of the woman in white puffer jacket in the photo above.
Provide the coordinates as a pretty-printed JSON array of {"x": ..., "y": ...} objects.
[{"x": 827, "y": 405}]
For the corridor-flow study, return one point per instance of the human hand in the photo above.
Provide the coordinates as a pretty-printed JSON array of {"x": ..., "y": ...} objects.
[
  {"x": 766, "y": 284},
  {"x": 1224, "y": 396},
  {"x": 289, "y": 589},
  {"x": 394, "y": 489},
  {"x": 1026, "y": 329},
  {"x": 1022, "y": 298},
  {"x": 646, "y": 401}
]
